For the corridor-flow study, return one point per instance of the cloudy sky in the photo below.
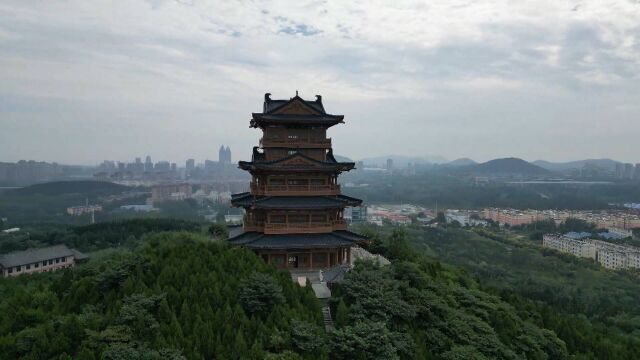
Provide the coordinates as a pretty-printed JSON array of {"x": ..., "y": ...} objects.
[{"x": 82, "y": 81}]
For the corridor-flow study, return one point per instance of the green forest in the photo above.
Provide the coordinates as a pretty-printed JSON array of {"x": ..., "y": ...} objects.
[
  {"x": 177, "y": 296},
  {"x": 48, "y": 202},
  {"x": 448, "y": 191},
  {"x": 167, "y": 290},
  {"x": 592, "y": 310}
]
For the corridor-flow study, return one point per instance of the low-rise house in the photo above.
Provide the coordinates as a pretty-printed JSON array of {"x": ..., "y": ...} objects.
[
  {"x": 83, "y": 209},
  {"x": 31, "y": 261}
]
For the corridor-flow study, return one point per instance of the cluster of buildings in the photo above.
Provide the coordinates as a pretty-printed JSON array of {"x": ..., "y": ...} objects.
[
  {"x": 609, "y": 255},
  {"x": 83, "y": 209},
  {"x": 220, "y": 197},
  {"x": 170, "y": 192},
  {"x": 29, "y": 172},
  {"x": 40, "y": 260},
  {"x": 117, "y": 170},
  {"x": 464, "y": 218},
  {"x": 601, "y": 219},
  {"x": 406, "y": 214},
  {"x": 627, "y": 171},
  {"x": 149, "y": 171},
  {"x": 395, "y": 214},
  {"x": 213, "y": 192}
]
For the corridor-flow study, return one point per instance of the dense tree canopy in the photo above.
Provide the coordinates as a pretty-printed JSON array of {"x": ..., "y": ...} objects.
[
  {"x": 174, "y": 298},
  {"x": 593, "y": 310},
  {"x": 127, "y": 233},
  {"x": 447, "y": 191},
  {"x": 169, "y": 291},
  {"x": 417, "y": 309}
]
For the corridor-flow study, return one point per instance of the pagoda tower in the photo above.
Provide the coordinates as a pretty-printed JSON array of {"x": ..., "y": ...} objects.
[{"x": 294, "y": 210}]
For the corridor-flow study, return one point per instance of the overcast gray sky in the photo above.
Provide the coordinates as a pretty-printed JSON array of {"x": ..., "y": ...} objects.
[{"x": 82, "y": 81}]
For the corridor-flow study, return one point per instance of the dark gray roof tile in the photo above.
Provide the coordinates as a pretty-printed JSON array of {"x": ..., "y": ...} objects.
[
  {"x": 256, "y": 240},
  {"x": 294, "y": 202},
  {"x": 35, "y": 255}
]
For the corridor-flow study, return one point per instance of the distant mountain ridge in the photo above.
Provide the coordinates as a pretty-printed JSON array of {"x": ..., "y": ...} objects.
[
  {"x": 69, "y": 187},
  {"x": 608, "y": 164},
  {"x": 403, "y": 160},
  {"x": 506, "y": 166},
  {"x": 461, "y": 162},
  {"x": 340, "y": 158}
]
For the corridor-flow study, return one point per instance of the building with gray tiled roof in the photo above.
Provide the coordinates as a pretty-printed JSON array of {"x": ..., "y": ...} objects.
[{"x": 46, "y": 259}]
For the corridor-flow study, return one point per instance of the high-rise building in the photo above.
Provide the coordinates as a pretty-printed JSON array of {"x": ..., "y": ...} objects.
[
  {"x": 221, "y": 154},
  {"x": 389, "y": 165},
  {"x": 162, "y": 166},
  {"x": 628, "y": 171},
  {"x": 637, "y": 172},
  {"x": 148, "y": 165},
  {"x": 619, "y": 170},
  {"x": 190, "y": 165},
  {"x": 294, "y": 211},
  {"x": 224, "y": 155}
]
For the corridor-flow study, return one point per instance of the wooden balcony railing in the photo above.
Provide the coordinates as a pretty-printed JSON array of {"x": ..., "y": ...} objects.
[
  {"x": 298, "y": 142},
  {"x": 297, "y": 190},
  {"x": 295, "y": 228}
]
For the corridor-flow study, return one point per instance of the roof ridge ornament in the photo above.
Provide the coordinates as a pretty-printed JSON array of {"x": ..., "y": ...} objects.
[{"x": 267, "y": 99}]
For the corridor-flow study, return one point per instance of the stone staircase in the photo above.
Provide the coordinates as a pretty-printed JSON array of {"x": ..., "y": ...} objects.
[{"x": 326, "y": 314}]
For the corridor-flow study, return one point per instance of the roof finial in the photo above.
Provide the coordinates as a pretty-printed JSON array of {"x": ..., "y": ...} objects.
[{"x": 296, "y": 92}]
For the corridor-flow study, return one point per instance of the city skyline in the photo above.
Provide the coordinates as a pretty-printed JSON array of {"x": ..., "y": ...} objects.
[{"x": 553, "y": 80}]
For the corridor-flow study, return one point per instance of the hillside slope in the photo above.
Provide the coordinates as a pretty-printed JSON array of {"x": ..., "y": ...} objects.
[
  {"x": 607, "y": 164},
  {"x": 506, "y": 166},
  {"x": 87, "y": 187}
]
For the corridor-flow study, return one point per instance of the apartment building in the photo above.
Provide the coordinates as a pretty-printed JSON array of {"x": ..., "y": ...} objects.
[
  {"x": 609, "y": 255},
  {"x": 576, "y": 247}
]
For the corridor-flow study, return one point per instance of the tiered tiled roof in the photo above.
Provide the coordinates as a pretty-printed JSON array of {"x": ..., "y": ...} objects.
[
  {"x": 272, "y": 113},
  {"x": 258, "y": 163},
  {"x": 293, "y": 202},
  {"x": 256, "y": 240}
]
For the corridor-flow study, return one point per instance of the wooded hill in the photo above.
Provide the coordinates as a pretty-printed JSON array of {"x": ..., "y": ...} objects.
[{"x": 180, "y": 295}]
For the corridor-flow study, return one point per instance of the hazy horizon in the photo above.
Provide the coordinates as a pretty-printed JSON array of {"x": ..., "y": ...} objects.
[{"x": 81, "y": 82}]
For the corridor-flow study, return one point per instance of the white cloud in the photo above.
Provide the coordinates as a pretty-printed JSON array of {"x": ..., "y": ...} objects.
[{"x": 209, "y": 62}]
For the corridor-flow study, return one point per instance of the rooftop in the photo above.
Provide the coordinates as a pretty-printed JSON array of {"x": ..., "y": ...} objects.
[
  {"x": 296, "y": 110},
  {"x": 256, "y": 240},
  {"x": 35, "y": 255},
  {"x": 293, "y": 202},
  {"x": 295, "y": 162}
]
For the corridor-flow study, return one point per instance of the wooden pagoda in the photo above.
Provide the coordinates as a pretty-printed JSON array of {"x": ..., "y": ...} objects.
[{"x": 294, "y": 209}]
